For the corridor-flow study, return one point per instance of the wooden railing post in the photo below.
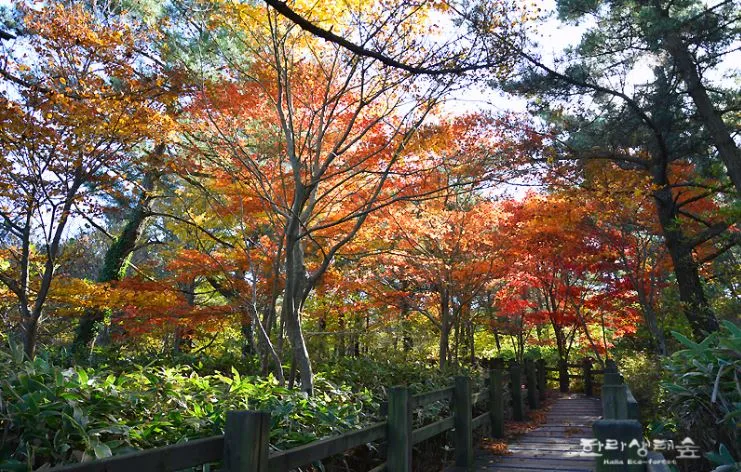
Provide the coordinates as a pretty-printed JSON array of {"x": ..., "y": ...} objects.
[
  {"x": 496, "y": 402},
  {"x": 612, "y": 378},
  {"x": 612, "y": 387},
  {"x": 532, "y": 384},
  {"x": 588, "y": 388},
  {"x": 246, "y": 440},
  {"x": 621, "y": 402},
  {"x": 515, "y": 376},
  {"x": 542, "y": 374},
  {"x": 463, "y": 422},
  {"x": 615, "y": 401},
  {"x": 399, "y": 430},
  {"x": 608, "y": 401},
  {"x": 563, "y": 375}
]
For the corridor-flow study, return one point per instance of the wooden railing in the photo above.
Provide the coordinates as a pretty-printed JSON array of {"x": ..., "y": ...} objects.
[
  {"x": 244, "y": 447},
  {"x": 586, "y": 372},
  {"x": 621, "y": 423}
]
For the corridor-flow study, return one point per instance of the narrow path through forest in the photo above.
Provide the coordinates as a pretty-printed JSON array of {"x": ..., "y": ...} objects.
[{"x": 554, "y": 445}]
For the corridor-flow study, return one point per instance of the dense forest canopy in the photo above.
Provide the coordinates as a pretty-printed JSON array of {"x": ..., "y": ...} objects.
[{"x": 292, "y": 184}]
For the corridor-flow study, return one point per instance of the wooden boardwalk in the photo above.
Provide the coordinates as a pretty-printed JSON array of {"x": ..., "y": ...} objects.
[{"x": 555, "y": 445}]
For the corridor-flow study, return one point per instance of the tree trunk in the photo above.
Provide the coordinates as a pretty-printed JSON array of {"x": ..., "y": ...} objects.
[
  {"x": 406, "y": 338},
  {"x": 114, "y": 264},
  {"x": 322, "y": 349},
  {"x": 292, "y": 374},
  {"x": 691, "y": 293},
  {"x": 182, "y": 337},
  {"x": 267, "y": 323},
  {"x": 300, "y": 353},
  {"x": 30, "y": 333},
  {"x": 652, "y": 323},
  {"x": 472, "y": 343},
  {"x": 585, "y": 327},
  {"x": 458, "y": 334},
  {"x": 340, "y": 343},
  {"x": 444, "y": 328},
  {"x": 177, "y": 338},
  {"x": 444, "y": 340},
  {"x": 248, "y": 336},
  {"x": 182, "y": 340},
  {"x": 366, "y": 344},
  {"x": 717, "y": 129},
  {"x": 521, "y": 345},
  {"x": 563, "y": 354},
  {"x": 293, "y": 300}
]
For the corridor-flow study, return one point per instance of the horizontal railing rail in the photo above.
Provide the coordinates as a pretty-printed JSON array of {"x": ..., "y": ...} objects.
[
  {"x": 423, "y": 399},
  {"x": 318, "y": 450},
  {"x": 170, "y": 458}
]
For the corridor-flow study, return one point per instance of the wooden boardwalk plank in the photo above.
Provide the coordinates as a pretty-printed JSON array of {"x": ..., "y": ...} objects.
[
  {"x": 548, "y": 453},
  {"x": 553, "y": 446}
]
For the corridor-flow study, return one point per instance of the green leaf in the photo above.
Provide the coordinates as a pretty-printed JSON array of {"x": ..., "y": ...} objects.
[
  {"x": 726, "y": 468},
  {"x": 82, "y": 376},
  {"x": 685, "y": 340},
  {"x": 735, "y": 330},
  {"x": 235, "y": 373},
  {"x": 16, "y": 352},
  {"x": 722, "y": 457},
  {"x": 110, "y": 380},
  {"x": 102, "y": 451}
]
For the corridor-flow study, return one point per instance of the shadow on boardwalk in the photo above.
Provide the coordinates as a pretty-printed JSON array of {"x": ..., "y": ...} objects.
[{"x": 552, "y": 446}]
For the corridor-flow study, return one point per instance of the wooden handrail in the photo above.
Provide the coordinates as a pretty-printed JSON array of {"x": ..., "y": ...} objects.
[
  {"x": 481, "y": 420},
  {"x": 318, "y": 450},
  {"x": 422, "y": 399},
  {"x": 173, "y": 457},
  {"x": 433, "y": 429}
]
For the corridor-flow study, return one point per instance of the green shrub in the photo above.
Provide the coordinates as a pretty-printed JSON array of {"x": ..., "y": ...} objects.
[
  {"x": 643, "y": 373},
  {"x": 702, "y": 392},
  {"x": 377, "y": 375}
]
